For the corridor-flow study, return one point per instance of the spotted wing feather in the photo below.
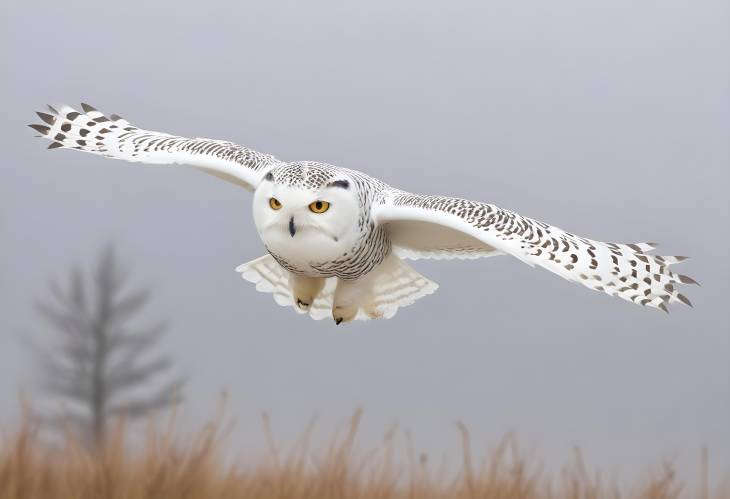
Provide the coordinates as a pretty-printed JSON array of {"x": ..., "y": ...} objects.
[
  {"x": 91, "y": 131},
  {"x": 624, "y": 270}
]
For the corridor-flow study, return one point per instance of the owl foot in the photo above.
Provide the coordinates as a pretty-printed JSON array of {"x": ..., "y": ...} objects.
[
  {"x": 343, "y": 314},
  {"x": 305, "y": 290}
]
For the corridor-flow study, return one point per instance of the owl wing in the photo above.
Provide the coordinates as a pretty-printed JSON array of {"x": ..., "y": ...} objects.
[
  {"x": 113, "y": 137},
  {"x": 441, "y": 226}
]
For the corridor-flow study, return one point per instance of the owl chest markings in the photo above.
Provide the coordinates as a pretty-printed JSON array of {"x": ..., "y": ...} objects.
[{"x": 369, "y": 251}]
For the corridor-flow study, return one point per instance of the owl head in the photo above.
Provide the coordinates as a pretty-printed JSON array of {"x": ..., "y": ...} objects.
[{"x": 310, "y": 208}]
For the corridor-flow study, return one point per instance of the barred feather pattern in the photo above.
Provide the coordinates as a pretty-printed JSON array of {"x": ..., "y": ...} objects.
[
  {"x": 114, "y": 137},
  {"x": 627, "y": 271}
]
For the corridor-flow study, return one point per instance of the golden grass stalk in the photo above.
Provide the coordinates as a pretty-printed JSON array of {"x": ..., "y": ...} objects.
[{"x": 165, "y": 467}]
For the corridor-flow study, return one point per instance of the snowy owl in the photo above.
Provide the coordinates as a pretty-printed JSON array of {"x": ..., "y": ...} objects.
[{"x": 336, "y": 238}]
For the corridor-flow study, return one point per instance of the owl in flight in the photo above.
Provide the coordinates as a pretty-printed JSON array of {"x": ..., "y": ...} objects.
[{"x": 336, "y": 239}]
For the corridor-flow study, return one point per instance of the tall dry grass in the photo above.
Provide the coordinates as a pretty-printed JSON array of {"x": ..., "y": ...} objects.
[{"x": 164, "y": 467}]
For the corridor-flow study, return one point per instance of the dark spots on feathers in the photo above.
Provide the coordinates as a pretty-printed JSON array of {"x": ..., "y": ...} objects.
[
  {"x": 42, "y": 129},
  {"x": 684, "y": 300},
  {"x": 645, "y": 278},
  {"x": 687, "y": 280},
  {"x": 343, "y": 184},
  {"x": 47, "y": 118}
]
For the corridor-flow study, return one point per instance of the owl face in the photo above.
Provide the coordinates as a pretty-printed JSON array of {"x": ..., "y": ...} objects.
[{"x": 306, "y": 216}]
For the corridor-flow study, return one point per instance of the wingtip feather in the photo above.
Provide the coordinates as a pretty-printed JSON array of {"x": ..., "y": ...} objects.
[
  {"x": 687, "y": 280},
  {"x": 684, "y": 300},
  {"x": 42, "y": 129},
  {"x": 47, "y": 118}
]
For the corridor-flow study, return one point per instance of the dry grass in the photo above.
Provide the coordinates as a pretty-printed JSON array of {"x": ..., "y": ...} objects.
[{"x": 166, "y": 468}]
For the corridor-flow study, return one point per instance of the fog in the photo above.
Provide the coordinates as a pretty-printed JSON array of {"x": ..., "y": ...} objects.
[{"x": 609, "y": 120}]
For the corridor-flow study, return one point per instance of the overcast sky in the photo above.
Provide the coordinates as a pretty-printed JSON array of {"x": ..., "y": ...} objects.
[{"x": 608, "y": 119}]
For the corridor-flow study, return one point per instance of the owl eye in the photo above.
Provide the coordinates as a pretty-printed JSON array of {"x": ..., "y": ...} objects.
[
  {"x": 274, "y": 203},
  {"x": 319, "y": 206}
]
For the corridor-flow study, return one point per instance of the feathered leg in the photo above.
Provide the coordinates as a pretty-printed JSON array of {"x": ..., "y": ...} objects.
[
  {"x": 348, "y": 297},
  {"x": 305, "y": 289}
]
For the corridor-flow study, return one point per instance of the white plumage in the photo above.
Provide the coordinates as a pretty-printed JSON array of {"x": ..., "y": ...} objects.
[
  {"x": 336, "y": 237},
  {"x": 397, "y": 285}
]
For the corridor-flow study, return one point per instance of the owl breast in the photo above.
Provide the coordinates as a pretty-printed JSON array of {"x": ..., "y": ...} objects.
[{"x": 351, "y": 261}]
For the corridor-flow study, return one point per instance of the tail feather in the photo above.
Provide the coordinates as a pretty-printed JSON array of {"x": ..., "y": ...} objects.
[
  {"x": 270, "y": 277},
  {"x": 392, "y": 285}
]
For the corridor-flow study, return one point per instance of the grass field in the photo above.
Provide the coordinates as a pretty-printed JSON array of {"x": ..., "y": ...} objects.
[{"x": 165, "y": 467}]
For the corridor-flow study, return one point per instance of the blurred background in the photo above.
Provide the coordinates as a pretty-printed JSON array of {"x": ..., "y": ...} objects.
[{"x": 609, "y": 119}]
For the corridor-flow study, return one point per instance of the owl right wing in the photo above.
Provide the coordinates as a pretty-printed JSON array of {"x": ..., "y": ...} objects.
[
  {"x": 113, "y": 137},
  {"x": 446, "y": 227}
]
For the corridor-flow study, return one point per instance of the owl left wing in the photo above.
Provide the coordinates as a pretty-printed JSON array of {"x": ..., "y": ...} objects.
[
  {"x": 91, "y": 131},
  {"x": 438, "y": 226}
]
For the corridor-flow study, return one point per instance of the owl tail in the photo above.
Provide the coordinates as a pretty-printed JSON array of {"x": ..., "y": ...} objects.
[
  {"x": 394, "y": 284},
  {"x": 391, "y": 285}
]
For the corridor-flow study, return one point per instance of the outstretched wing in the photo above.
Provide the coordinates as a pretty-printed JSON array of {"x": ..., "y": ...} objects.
[
  {"x": 623, "y": 270},
  {"x": 113, "y": 137}
]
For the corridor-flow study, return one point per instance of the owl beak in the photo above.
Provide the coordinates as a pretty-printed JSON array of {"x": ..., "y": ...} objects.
[{"x": 292, "y": 227}]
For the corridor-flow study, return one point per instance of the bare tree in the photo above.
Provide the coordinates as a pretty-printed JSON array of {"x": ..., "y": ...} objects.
[{"x": 101, "y": 366}]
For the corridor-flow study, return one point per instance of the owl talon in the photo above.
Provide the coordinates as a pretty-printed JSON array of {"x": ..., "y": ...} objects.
[
  {"x": 302, "y": 305},
  {"x": 343, "y": 314}
]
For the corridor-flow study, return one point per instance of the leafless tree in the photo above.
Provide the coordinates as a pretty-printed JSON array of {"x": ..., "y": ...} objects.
[{"x": 101, "y": 367}]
